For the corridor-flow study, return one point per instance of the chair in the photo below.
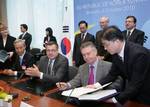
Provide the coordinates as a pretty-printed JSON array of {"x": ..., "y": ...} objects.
[
  {"x": 36, "y": 52},
  {"x": 72, "y": 72}
]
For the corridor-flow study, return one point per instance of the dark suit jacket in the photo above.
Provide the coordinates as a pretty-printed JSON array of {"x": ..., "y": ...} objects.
[
  {"x": 77, "y": 56},
  {"x": 60, "y": 69},
  {"x": 28, "y": 61},
  {"x": 9, "y": 47},
  {"x": 137, "y": 36},
  {"x": 100, "y": 47},
  {"x": 52, "y": 38},
  {"x": 135, "y": 70},
  {"x": 28, "y": 39}
]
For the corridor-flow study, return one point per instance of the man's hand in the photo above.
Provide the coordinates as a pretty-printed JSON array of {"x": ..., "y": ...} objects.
[
  {"x": 91, "y": 86},
  {"x": 8, "y": 72},
  {"x": 62, "y": 85},
  {"x": 10, "y": 54},
  {"x": 33, "y": 71}
]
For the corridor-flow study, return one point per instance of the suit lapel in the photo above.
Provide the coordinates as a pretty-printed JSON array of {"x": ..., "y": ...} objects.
[{"x": 86, "y": 73}]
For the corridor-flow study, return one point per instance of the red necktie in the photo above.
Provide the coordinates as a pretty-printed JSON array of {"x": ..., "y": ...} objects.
[{"x": 91, "y": 75}]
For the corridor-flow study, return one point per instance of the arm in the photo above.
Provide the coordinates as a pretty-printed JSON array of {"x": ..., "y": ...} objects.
[
  {"x": 139, "y": 71},
  {"x": 140, "y": 38}
]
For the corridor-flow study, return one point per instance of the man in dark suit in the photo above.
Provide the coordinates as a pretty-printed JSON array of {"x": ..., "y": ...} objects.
[
  {"x": 22, "y": 59},
  {"x": 25, "y": 36},
  {"x": 52, "y": 68},
  {"x": 131, "y": 33},
  {"x": 102, "y": 53},
  {"x": 6, "y": 43},
  {"x": 132, "y": 62},
  {"x": 79, "y": 39}
]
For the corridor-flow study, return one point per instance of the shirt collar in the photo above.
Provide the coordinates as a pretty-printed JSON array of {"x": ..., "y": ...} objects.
[
  {"x": 94, "y": 64},
  {"x": 121, "y": 54},
  {"x": 131, "y": 30},
  {"x": 22, "y": 54}
]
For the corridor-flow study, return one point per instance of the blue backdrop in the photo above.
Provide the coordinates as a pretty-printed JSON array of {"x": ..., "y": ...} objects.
[{"x": 116, "y": 10}]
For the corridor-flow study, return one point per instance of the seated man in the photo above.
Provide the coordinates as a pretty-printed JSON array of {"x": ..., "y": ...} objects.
[
  {"x": 89, "y": 73},
  {"x": 53, "y": 67},
  {"x": 22, "y": 59}
]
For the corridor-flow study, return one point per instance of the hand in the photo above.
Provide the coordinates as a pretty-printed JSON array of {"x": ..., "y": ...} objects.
[
  {"x": 62, "y": 85},
  {"x": 91, "y": 86},
  {"x": 8, "y": 72},
  {"x": 10, "y": 54},
  {"x": 33, "y": 71}
]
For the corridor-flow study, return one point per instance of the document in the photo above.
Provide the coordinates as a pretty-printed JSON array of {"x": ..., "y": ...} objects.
[
  {"x": 3, "y": 56},
  {"x": 99, "y": 95},
  {"x": 84, "y": 93}
]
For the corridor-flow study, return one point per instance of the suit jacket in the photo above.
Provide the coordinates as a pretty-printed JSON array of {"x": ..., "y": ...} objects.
[
  {"x": 28, "y": 61},
  {"x": 28, "y": 39},
  {"x": 100, "y": 47},
  {"x": 137, "y": 36},
  {"x": 77, "y": 56},
  {"x": 60, "y": 69},
  {"x": 9, "y": 47},
  {"x": 135, "y": 70},
  {"x": 52, "y": 38},
  {"x": 103, "y": 68}
]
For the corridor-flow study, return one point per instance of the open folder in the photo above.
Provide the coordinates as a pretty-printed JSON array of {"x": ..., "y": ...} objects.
[
  {"x": 84, "y": 93},
  {"x": 3, "y": 56}
]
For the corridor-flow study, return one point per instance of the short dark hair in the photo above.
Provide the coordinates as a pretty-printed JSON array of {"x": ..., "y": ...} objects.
[
  {"x": 87, "y": 44},
  {"x": 52, "y": 43},
  {"x": 83, "y": 22},
  {"x": 24, "y": 26},
  {"x": 48, "y": 29},
  {"x": 112, "y": 33},
  {"x": 134, "y": 18}
]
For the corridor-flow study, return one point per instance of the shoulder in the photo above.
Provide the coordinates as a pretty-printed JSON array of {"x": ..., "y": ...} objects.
[
  {"x": 90, "y": 35},
  {"x": 105, "y": 63},
  {"x": 61, "y": 58},
  {"x": 11, "y": 37},
  {"x": 139, "y": 31}
]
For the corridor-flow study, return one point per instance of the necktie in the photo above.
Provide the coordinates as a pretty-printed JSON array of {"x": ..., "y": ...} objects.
[
  {"x": 82, "y": 37},
  {"x": 91, "y": 75},
  {"x": 128, "y": 35},
  {"x": 20, "y": 60},
  {"x": 49, "y": 67}
]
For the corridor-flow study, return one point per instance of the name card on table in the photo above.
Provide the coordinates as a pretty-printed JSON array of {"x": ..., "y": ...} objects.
[{"x": 23, "y": 104}]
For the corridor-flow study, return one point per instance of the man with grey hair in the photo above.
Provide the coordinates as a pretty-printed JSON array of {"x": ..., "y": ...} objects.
[
  {"x": 22, "y": 59},
  {"x": 102, "y": 53},
  {"x": 89, "y": 73}
]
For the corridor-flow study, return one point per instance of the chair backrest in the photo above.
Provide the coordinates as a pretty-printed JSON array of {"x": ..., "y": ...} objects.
[
  {"x": 72, "y": 72},
  {"x": 34, "y": 51}
]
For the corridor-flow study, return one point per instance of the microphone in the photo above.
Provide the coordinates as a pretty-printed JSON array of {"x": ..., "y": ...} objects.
[{"x": 69, "y": 96}]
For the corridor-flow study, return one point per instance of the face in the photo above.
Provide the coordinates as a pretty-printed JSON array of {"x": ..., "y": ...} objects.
[
  {"x": 47, "y": 33},
  {"x": 20, "y": 48},
  {"x": 129, "y": 23},
  {"x": 111, "y": 46},
  {"x": 83, "y": 28},
  {"x": 51, "y": 51},
  {"x": 89, "y": 55},
  {"x": 4, "y": 32},
  {"x": 22, "y": 29},
  {"x": 103, "y": 23}
]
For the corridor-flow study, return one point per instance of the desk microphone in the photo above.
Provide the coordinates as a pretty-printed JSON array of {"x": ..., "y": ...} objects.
[{"x": 69, "y": 96}]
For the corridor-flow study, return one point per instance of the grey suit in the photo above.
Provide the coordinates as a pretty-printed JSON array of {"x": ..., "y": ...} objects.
[
  {"x": 60, "y": 69},
  {"x": 103, "y": 67}
]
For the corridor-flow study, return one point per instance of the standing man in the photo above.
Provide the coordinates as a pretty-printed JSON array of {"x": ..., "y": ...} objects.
[
  {"x": 22, "y": 59},
  {"x": 83, "y": 36},
  {"x": 52, "y": 68},
  {"x": 25, "y": 36},
  {"x": 131, "y": 33},
  {"x": 132, "y": 63},
  {"x": 102, "y": 53}
]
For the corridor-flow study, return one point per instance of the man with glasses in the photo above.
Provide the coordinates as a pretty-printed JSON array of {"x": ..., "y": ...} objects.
[
  {"x": 131, "y": 33},
  {"x": 53, "y": 67}
]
